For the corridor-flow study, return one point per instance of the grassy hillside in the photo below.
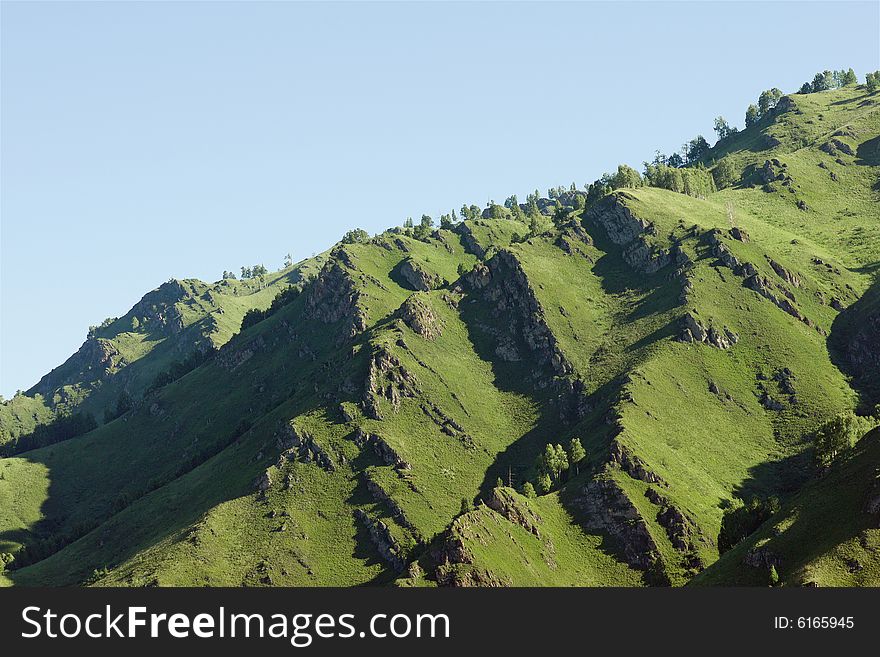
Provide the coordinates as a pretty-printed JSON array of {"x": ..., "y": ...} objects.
[{"x": 380, "y": 425}]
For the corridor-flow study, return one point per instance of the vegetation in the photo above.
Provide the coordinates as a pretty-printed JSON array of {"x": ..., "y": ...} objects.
[{"x": 664, "y": 349}]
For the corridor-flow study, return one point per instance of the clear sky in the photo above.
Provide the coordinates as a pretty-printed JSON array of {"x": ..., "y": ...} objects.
[{"x": 147, "y": 141}]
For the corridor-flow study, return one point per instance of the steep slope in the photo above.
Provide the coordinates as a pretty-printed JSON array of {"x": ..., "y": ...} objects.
[
  {"x": 124, "y": 355},
  {"x": 828, "y": 533},
  {"x": 358, "y": 433}
]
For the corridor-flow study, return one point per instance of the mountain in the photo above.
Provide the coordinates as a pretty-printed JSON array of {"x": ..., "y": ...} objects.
[{"x": 379, "y": 421}]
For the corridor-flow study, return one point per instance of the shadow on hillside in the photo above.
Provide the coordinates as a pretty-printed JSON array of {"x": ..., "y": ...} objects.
[
  {"x": 779, "y": 478},
  {"x": 854, "y": 342},
  {"x": 130, "y": 485}
]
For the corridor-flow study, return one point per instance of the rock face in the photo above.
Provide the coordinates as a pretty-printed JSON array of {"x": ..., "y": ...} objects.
[
  {"x": 503, "y": 502},
  {"x": 682, "y": 530},
  {"x": 623, "y": 458},
  {"x": 387, "y": 378},
  {"x": 334, "y": 297},
  {"x": 784, "y": 274},
  {"x": 382, "y": 449},
  {"x": 418, "y": 315},
  {"x": 692, "y": 330},
  {"x": 626, "y": 229},
  {"x": 470, "y": 243},
  {"x": 295, "y": 443},
  {"x": 385, "y": 543},
  {"x": 453, "y": 561},
  {"x": 503, "y": 284},
  {"x": 609, "y": 510},
  {"x": 417, "y": 277}
]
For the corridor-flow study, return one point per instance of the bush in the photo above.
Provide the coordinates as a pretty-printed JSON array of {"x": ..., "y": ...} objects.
[
  {"x": 356, "y": 236},
  {"x": 725, "y": 174},
  {"x": 837, "y": 436},
  {"x": 744, "y": 518}
]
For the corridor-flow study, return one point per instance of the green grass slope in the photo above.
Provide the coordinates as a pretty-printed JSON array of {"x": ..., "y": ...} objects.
[{"x": 358, "y": 433}]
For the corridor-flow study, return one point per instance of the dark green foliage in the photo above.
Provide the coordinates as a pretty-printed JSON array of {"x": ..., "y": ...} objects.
[
  {"x": 356, "y": 236},
  {"x": 552, "y": 462},
  {"x": 722, "y": 128},
  {"x": 742, "y": 519},
  {"x": 872, "y": 81},
  {"x": 228, "y": 275},
  {"x": 181, "y": 367},
  {"x": 752, "y": 116},
  {"x": 725, "y": 174},
  {"x": 823, "y": 81},
  {"x": 626, "y": 177},
  {"x": 528, "y": 490},
  {"x": 466, "y": 506},
  {"x": 253, "y": 272},
  {"x": 692, "y": 181},
  {"x": 255, "y": 315},
  {"x": 576, "y": 454},
  {"x": 123, "y": 405},
  {"x": 837, "y": 436},
  {"x": 774, "y": 576},
  {"x": 423, "y": 230},
  {"x": 697, "y": 148},
  {"x": 63, "y": 427},
  {"x": 768, "y": 100}
]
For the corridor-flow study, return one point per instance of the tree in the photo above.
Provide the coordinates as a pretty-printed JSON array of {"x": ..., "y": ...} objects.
[
  {"x": 872, "y": 81},
  {"x": 228, "y": 275},
  {"x": 752, "y": 116},
  {"x": 576, "y": 454},
  {"x": 626, "y": 177},
  {"x": 245, "y": 272},
  {"x": 465, "y": 506},
  {"x": 837, "y": 436},
  {"x": 446, "y": 222},
  {"x": 499, "y": 482},
  {"x": 545, "y": 484},
  {"x": 356, "y": 236},
  {"x": 725, "y": 174},
  {"x": 697, "y": 148},
  {"x": 529, "y": 491},
  {"x": 806, "y": 88},
  {"x": 722, "y": 128},
  {"x": 675, "y": 160},
  {"x": 768, "y": 100},
  {"x": 288, "y": 261},
  {"x": 823, "y": 81},
  {"x": 774, "y": 576}
]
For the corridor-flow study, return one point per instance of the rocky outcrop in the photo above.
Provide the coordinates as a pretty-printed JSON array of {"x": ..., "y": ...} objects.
[
  {"x": 784, "y": 274},
  {"x": 419, "y": 316},
  {"x": 682, "y": 530},
  {"x": 692, "y": 330},
  {"x": 382, "y": 449},
  {"x": 762, "y": 557},
  {"x": 625, "y": 229},
  {"x": 470, "y": 243},
  {"x": 383, "y": 497},
  {"x": 836, "y": 146},
  {"x": 295, "y": 443},
  {"x": 622, "y": 457},
  {"x": 607, "y": 509},
  {"x": 334, "y": 297},
  {"x": 504, "y": 285},
  {"x": 417, "y": 278},
  {"x": 872, "y": 503},
  {"x": 387, "y": 378},
  {"x": 502, "y": 501},
  {"x": 234, "y": 354},
  {"x": 381, "y": 537}
]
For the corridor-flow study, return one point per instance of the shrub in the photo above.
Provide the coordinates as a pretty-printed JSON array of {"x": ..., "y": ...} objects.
[
  {"x": 744, "y": 518},
  {"x": 837, "y": 436},
  {"x": 725, "y": 174}
]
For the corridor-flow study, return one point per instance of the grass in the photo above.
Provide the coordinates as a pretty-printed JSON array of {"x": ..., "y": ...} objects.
[{"x": 166, "y": 494}]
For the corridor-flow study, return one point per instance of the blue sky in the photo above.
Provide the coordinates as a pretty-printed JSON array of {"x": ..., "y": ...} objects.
[{"x": 147, "y": 141}]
